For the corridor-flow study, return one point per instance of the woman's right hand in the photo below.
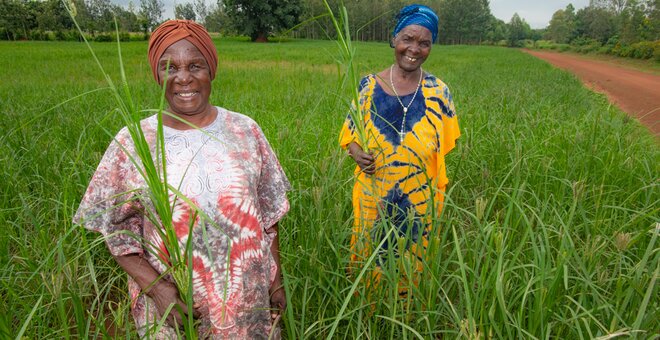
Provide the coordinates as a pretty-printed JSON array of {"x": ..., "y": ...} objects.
[
  {"x": 162, "y": 292},
  {"x": 364, "y": 160},
  {"x": 165, "y": 293}
]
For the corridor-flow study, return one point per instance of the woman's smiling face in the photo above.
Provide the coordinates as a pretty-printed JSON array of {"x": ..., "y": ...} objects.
[
  {"x": 188, "y": 79},
  {"x": 412, "y": 45}
]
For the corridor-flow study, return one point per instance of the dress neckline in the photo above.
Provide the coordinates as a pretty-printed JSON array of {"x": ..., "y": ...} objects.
[{"x": 173, "y": 131}]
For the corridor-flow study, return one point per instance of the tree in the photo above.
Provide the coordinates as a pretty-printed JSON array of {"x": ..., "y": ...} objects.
[
  {"x": 498, "y": 30},
  {"x": 518, "y": 30},
  {"x": 184, "y": 11},
  {"x": 216, "y": 19},
  {"x": 653, "y": 13},
  {"x": 126, "y": 18},
  {"x": 617, "y": 6},
  {"x": 635, "y": 26},
  {"x": 201, "y": 10},
  {"x": 53, "y": 16},
  {"x": 595, "y": 23},
  {"x": 151, "y": 13},
  {"x": 464, "y": 21},
  {"x": 17, "y": 18},
  {"x": 562, "y": 25},
  {"x": 258, "y": 19}
]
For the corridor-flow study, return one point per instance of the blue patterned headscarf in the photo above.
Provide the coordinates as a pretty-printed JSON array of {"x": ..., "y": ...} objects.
[{"x": 417, "y": 15}]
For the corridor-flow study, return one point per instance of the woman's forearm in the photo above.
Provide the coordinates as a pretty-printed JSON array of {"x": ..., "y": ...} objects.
[
  {"x": 140, "y": 270},
  {"x": 275, "y": 250}
]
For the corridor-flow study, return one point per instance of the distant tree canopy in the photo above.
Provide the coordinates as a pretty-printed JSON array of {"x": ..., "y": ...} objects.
[
  {"x": 464, "y": 21},
  {"x": 184, "y": 11},
  {"x": 519, "y": 30},
  {"x": 259, "y": 19},
  {"x": 461, "y": 21},
  {"x": 607, "y": 21},
  {"x": 151, "y": 13}
]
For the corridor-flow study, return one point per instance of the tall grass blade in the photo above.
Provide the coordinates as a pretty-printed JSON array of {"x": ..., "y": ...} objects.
[{"x": 19, "y": 335}]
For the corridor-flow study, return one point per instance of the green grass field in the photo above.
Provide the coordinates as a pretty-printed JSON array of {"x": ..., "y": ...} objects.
[{"x": 550, "y": 229}]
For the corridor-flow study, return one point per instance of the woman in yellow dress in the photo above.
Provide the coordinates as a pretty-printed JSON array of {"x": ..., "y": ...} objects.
[{"x": 410, "y": 125}]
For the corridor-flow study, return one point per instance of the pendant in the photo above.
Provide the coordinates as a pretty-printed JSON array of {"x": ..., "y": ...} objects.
[
  {"x": 401, "y": 134},
  {"x": 405, "y": 110}
]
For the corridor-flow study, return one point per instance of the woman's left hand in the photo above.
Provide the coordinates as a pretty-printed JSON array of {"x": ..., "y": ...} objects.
[{"x": 277, "y": 299}]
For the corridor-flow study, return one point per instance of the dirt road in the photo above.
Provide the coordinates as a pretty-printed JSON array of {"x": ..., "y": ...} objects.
[{"x": 634, "y": 92}]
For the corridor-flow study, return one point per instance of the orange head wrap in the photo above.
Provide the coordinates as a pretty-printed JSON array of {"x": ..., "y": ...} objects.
[{"x": 172, "y": 31}]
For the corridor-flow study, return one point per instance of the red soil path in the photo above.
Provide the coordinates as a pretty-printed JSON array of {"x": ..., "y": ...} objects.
[{"x": 635, "y": 92}]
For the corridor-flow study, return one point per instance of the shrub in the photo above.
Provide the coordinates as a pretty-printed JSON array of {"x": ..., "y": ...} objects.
[
  {"x": 38, "y": 35},
  {"x": 123, "y": 36},
  {"x": 67, "y": 35},
  {"x": 103, "y": 38},
  {"x": 642, "y": 50},
  {"x": 544, "y": 44},
  {"x": 136, "y": 37},
  {"x": 585, "y": 45},
  {"x": 625, "y": 51},
  {"x": 656, "y": 50}
]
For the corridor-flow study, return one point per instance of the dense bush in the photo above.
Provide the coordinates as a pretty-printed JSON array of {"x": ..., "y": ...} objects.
[
  {"x": 68, "y": 35},
  {"x": 103, "y": 38},
  {"x": 585, "y": 45},
  {"x": 39, "y": 35},
  {"x": 643, "y": 49},
  {"x": 544, "y": 44},
  {"x": 640, "y": 50},
  {"x": 123, "y": 36}
]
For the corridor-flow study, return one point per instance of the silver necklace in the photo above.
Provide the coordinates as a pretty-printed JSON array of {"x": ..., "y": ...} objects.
[{"x": 405, "y": 108}]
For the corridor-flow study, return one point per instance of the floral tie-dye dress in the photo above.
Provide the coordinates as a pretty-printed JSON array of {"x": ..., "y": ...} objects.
[
  {"x": 410, "y": 180},
  {"x": 230, "y": 172}
]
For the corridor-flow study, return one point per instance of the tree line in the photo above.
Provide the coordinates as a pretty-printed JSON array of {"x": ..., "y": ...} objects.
[
  {"x": 628, "y": 28},
  {"x": 461, "y": 21}
]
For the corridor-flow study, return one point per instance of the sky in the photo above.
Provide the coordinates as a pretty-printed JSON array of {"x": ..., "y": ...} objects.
[{"x": 537, "y": 13}]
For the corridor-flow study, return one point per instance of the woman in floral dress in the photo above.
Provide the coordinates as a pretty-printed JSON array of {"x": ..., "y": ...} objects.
[{"x": 230, "y": 189}]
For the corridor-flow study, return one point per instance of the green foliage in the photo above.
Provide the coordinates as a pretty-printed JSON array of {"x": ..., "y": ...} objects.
[
  {"x": 519, "y": 30},
  {"x": 103, "y": 38},
  {"x": 259, "y": 19},
  {"x": 549, "y": 229},
  {"x": 151, "y": 13},
  {"x": 595, "y": 23},
  {"x": 562, "y": 26},
  {"x": 184, "y": 11},
  {"x": 464, "y": 21},
  {"x": 644, "y": 49},
  {"x": 585, "y": 45}
]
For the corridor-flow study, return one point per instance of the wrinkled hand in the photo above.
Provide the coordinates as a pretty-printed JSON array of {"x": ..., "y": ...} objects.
[
  {"x": 364, "y": 160},
  {"x": 165, "y": 293},
  {"x": 277, "y": 299}
]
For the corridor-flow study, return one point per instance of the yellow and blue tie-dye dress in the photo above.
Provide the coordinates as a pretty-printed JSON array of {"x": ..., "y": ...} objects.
[{"x": 410, "y": 180}]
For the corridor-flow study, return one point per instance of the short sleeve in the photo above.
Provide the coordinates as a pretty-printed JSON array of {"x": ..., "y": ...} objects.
[
  {"x": 450, "y": 130},
  {"x": 273, "y": 184},
  {"x": 109, "y": 206},
  {"x": 348, "y": 134}
]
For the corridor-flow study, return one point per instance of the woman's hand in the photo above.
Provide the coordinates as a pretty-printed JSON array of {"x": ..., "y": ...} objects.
[
  {"x": 165, "y": 293},
  {"x": 276, "y": 289},
  {"x": 364, "y": 160},
  {"x": 161, "y": 291},
  {"x": 277, "y": 299}
]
